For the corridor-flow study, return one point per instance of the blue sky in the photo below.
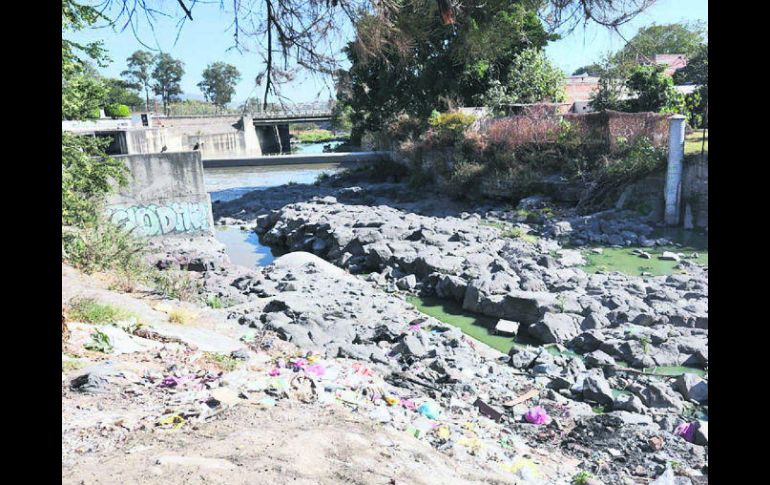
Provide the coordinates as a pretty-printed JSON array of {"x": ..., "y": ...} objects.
[{"x": 207, "y": 39}]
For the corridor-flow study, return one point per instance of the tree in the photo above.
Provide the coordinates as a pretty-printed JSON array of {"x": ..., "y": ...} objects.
[
  {"x": 678, "y": 38},
  {"x": 697, "y": 69},
  {"x": 167, "y": 74},
  {"x": 301, "y": 34},
  {"x": 654, "y": 91},
  {"x": 82, "y": 92},
  {"x": 121, "y": 92},
  {"x": 612, "y": 86},
  {"x": 87, "y": 171},
  {"x": 589, "y": 70},
  {"x": 341, "y": 114},
  {"x": 419, "y": 64},
  {"x": 138, "y": 73},
  {"x": 218, "y": 85},
  {"x": 532, "y": 79}
]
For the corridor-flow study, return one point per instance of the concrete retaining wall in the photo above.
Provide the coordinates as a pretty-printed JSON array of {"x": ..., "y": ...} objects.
[
  {"x": 218, "y": 139},
  {"x": 695, "y": 192},
  {"x": 165, "y": 195}
]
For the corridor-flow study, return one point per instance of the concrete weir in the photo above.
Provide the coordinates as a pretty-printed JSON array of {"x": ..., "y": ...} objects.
[
  {"x": 354, "y": 157},
  {"x": 165, "y": 195}
]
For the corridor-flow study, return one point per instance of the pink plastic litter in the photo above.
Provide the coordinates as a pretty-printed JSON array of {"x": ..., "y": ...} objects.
[
  {"x": 316, "y": 369},
  {"x": 687, "y": 431},
  {"x": 414, "y": 328},
  {"x": 537, "y": 415},
  {"x": 274, "y": 372},
  {"x": 361, "y": 369}
]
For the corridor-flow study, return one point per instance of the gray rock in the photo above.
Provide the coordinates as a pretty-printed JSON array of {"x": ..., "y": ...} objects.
[
  {"x": 594, "y": 320},
  {"x": 669, "y": 256},
  {"x": 89, "y": 383},
  {"x": 693, "y": 387},
  {"x": 587, "y": 341},
  {"x": 628, "y": 402},
  {"x": 521, "y": 358},
  {"x": 554, "y": 328},
  {"x": 407, "y": 283},
  {"x": 632, "y": 417},
  {"x": 450, "y": 286},
  {"x": 597, "y": 358},
  {"x": 597, "y": 389},
  {"x": 656, "y": 395},
  {"x": 410, "y": 345}
]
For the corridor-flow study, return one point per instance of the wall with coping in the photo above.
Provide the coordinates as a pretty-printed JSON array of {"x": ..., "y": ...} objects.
[
  {"x": 165, "y": 195},
  {"x": 217, "y": 139}
]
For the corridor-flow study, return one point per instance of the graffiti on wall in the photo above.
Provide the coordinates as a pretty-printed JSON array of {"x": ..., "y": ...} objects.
[{"x": 162, "y": 219}]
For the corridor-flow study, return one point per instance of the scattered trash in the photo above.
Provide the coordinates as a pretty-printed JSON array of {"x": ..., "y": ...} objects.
[
  {"x": 429, "y": 409},
  {"x": 520, "y": 399},
  {"x": 656, "y": 443},
  {"x": 522, "y": 464},
  {"x": 537, "y": 415},
  {"x": 487, "y": 410},
  {"x": 317, "y": 370},
  {"x": 420, "y": 427},
  {"x": 687, "y": 431},
  {"x": 175, "y": 421}
]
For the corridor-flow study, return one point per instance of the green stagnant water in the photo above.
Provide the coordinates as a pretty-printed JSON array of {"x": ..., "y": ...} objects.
[
  {"x": 482, "y": 328},
  {"x": 625, "y": 261}
]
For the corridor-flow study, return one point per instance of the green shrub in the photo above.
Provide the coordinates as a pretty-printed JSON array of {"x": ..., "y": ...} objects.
[
  {"x": 226, "y": 362},
  {"x": 215, "y": 302},
  {"x": 176, "y": 284},
  {"x": 633, "y": 162},
  {"x": 88, "y": 174},
  {"x": 102, "y": 246},
  {"x": 404, "y": 127},
  {"x": 419, "y": 178},
  {"x": 116, "y": 110},
  {"x": 581, "y": 478},
  {"x": 100, "y": 342},
  {"x": 90, "y": 310},
  {"x": 464, "y": 177},
  {"x": 449, "y": 127}
]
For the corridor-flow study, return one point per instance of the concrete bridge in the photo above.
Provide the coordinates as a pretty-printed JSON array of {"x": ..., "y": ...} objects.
[{"x": 222, "y": 136}]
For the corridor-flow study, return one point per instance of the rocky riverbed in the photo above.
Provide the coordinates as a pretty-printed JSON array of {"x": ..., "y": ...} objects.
[
  {"x": 334, "y": 312},
  {"x": 520, "y": 265}
]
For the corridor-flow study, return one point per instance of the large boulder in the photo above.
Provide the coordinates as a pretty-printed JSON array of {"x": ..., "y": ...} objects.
[
  {"x": 656, "y": 395},
  {"x": 450, "y": 286},
  {"x": 692, "y": 387},
  {"x": 555, "y": 328},
  {"x": 597, "y": 389},
  {"x": 521, "y": 306}
]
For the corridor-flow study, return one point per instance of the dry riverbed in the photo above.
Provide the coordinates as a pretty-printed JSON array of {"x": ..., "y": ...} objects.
[{"x": 318, "y": 368}]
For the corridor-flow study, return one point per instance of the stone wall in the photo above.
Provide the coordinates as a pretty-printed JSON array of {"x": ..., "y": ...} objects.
[{"x": 165, "y": 195}]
